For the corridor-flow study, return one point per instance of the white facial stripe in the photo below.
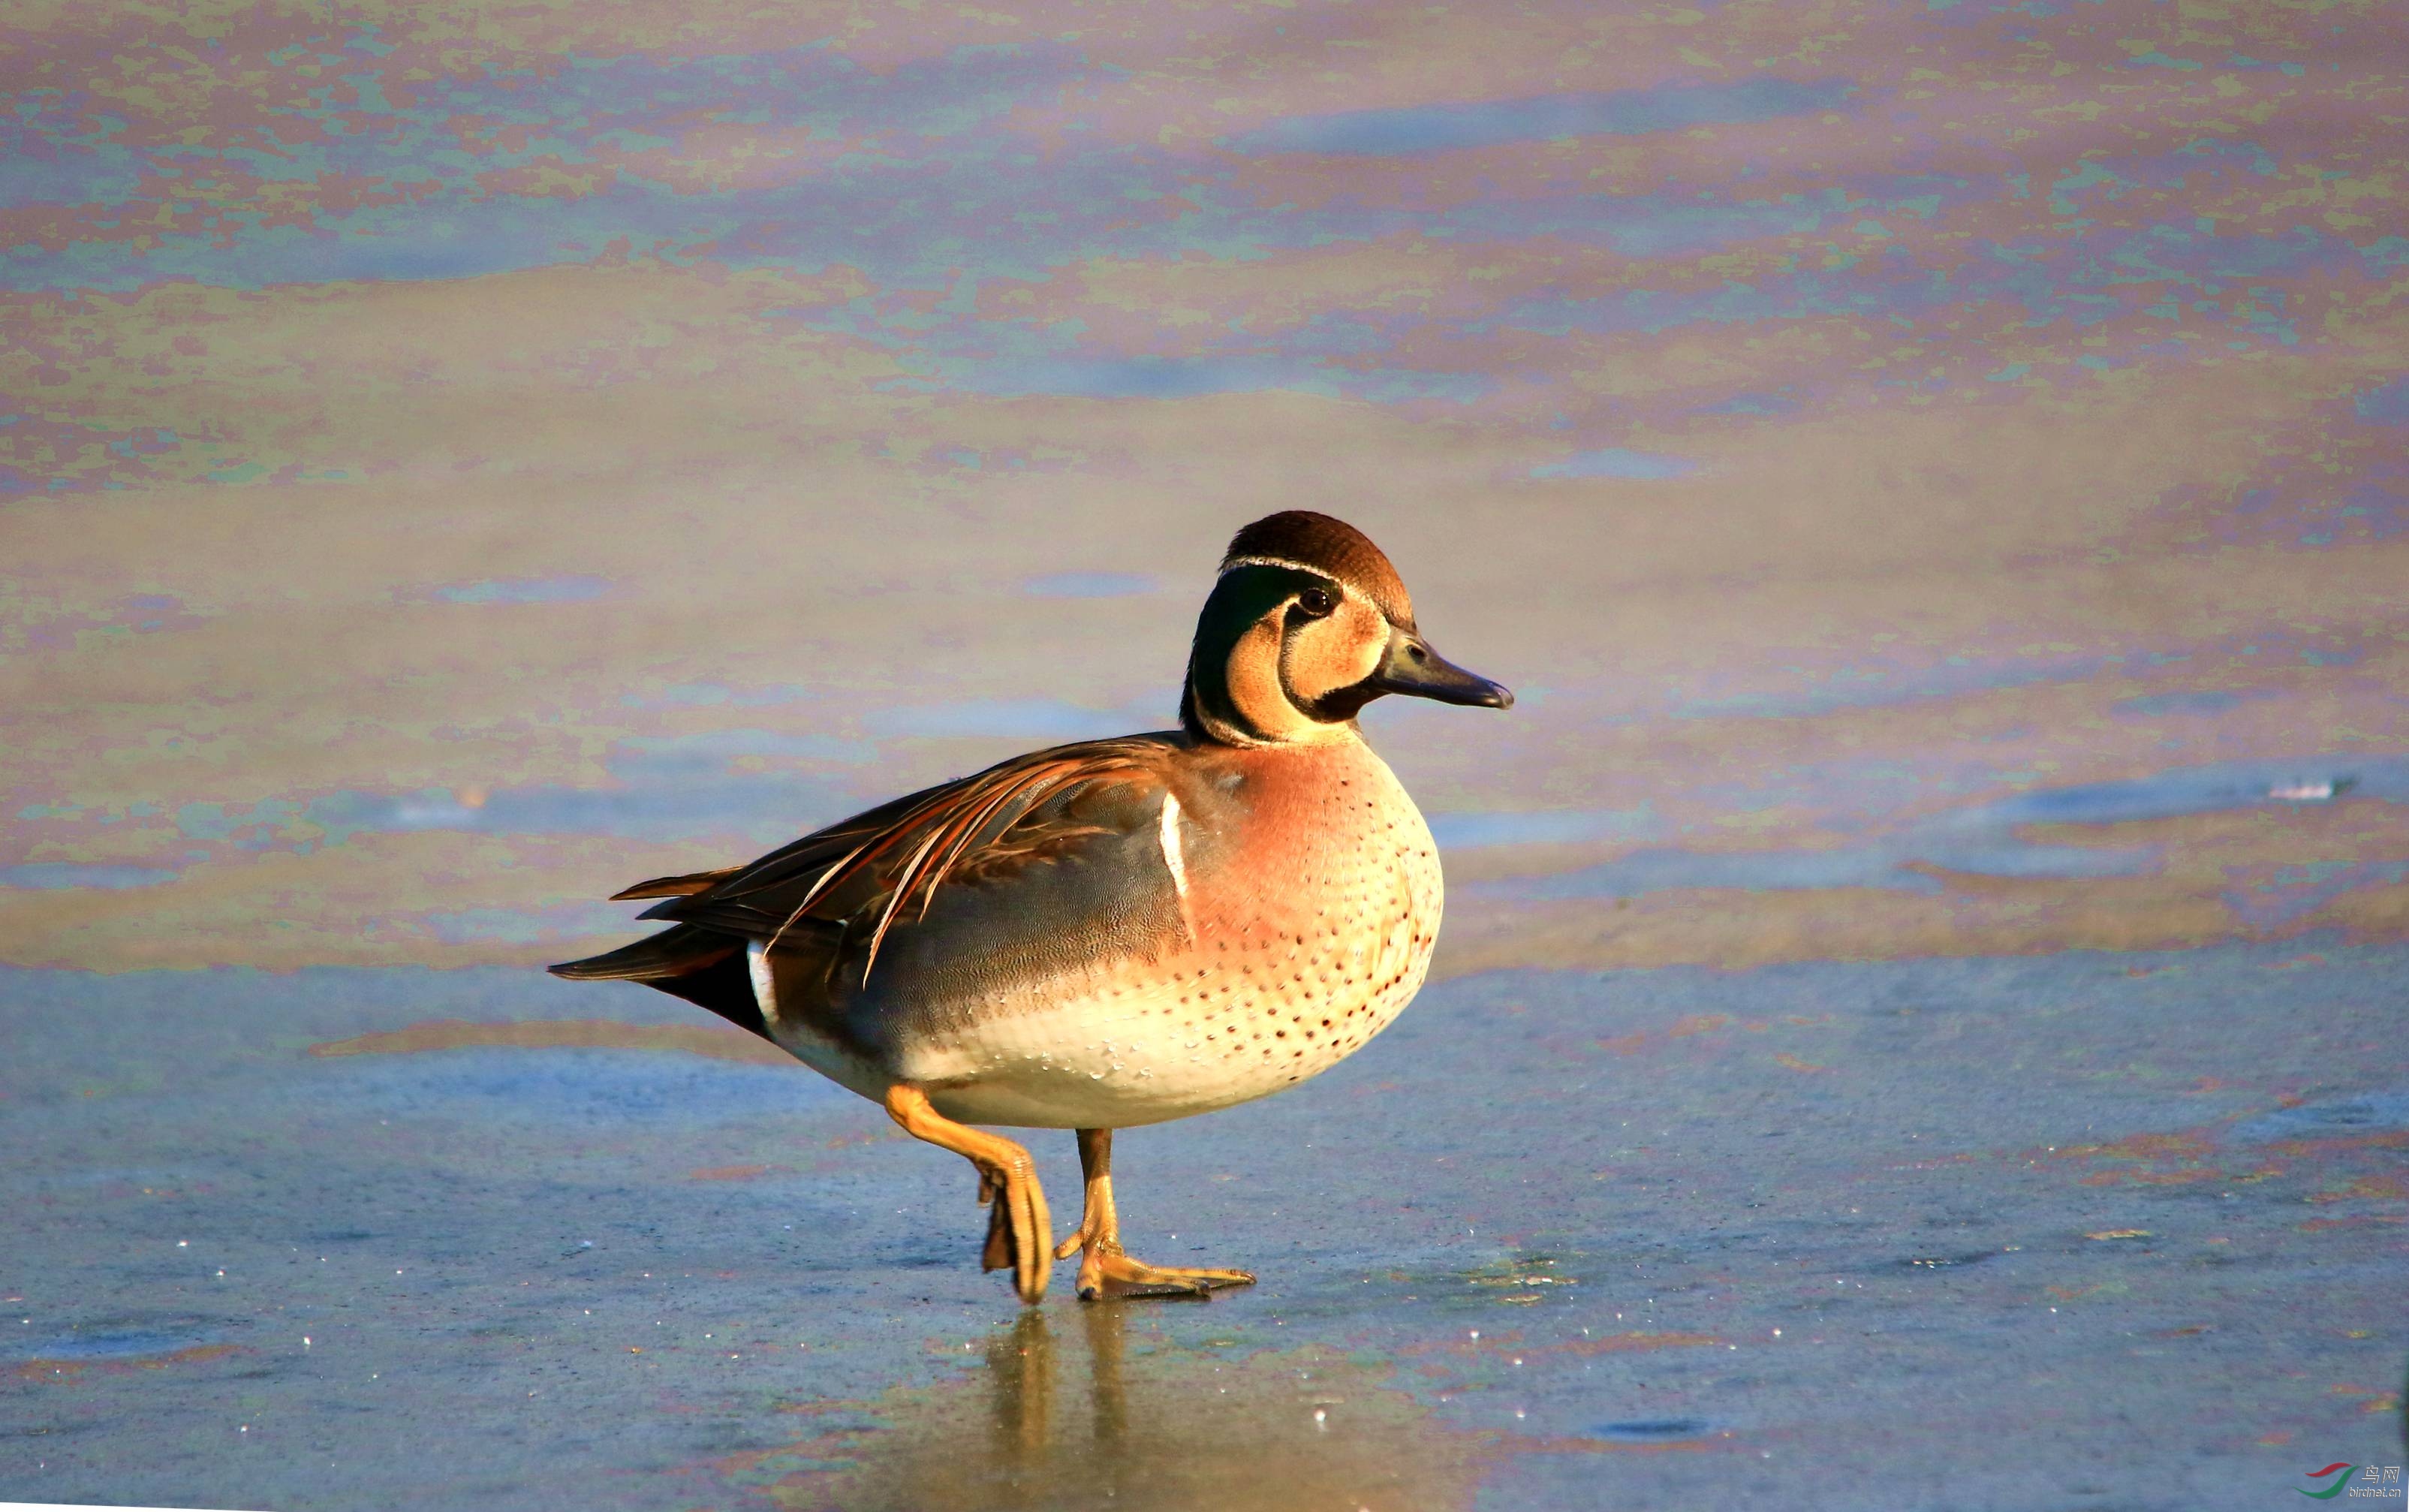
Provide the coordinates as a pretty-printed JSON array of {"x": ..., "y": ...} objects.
[
  {"x": 1272, "y": 561},
  {"x": 1344, "y": 586}
]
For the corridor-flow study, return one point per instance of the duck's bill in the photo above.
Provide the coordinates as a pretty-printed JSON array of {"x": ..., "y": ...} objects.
[{"x": 1413, "y": 669}]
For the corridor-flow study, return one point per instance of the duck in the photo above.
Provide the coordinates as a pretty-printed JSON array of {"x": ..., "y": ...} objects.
[{"x": 1113, "y": 934}]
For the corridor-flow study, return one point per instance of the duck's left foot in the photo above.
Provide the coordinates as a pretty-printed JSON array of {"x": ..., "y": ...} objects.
[{"x": 1105, "y": 1270}]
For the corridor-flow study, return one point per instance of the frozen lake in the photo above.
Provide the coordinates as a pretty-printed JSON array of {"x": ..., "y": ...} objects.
[
  {"x": 2117, "y": 1229},
  {"x": 1919, "y": 1021}
]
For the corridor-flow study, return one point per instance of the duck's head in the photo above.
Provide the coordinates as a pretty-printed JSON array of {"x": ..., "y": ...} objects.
[{"x": 1307, "y": 624}]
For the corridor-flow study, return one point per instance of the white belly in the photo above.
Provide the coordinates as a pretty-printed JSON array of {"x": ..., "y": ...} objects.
[{"x": 1142, "y": 1058}]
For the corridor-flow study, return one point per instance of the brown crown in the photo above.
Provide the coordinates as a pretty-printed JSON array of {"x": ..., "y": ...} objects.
[{"x": 1328, "y": 546}]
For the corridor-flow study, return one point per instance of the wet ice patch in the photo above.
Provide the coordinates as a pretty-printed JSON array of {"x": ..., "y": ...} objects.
[
  {"x": 714, "y": 695},
  {"x": 2378, "y": 1112},
  {"x": 560, "y": 590},
  {"x": 1410, "y": 130},
  {"x": 1888, "y": 864},
  {"x": 1035, "y": 719},
  {"x": 1088, "y": 584},
  {"x": 1539, "y": 826},
  {"x": 1615, "y": 462},
  {"x": 1651, "y": 1429},
  {"x": 2200, "y": 703},
  {"x": 554, "y": 1087},
  {"x": 55, "y": 875},
  {"x": 119, "y": 1339},
  {"x": 1182, "y": 378},
  {"x": 2387, "y": 404},
  {"x": 521, "y": 926},
  {"x": 1987, "y": 839},
  {"x": 2182, "y": 790},
  {"x": 745, "y": 782}
]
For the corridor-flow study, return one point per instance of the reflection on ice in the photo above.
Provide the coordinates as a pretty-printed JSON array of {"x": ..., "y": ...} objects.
[{"x": 1094, "y": 1418}]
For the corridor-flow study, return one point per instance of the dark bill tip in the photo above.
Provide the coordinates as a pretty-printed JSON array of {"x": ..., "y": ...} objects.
[{"x": 1416, "y": 670}]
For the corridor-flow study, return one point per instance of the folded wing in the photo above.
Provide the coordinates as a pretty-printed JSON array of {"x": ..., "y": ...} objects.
[{"x": 965, "y": 890}]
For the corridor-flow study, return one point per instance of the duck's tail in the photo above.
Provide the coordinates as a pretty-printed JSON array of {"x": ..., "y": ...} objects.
[
  {"x": 703, "y": 966},
  {"x": 680, "y": 950}
]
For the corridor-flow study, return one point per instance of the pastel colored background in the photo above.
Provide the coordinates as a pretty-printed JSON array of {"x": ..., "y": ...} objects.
[{"x": 1936, "y": 474}]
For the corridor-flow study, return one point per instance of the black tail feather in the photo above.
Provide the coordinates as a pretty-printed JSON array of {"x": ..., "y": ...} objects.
[
  {"x": 703, "y": 966},
  {"x": 674, "y": 952}
]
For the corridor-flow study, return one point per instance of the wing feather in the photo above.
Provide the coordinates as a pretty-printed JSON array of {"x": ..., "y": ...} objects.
[
  {"x": 682, "y": 886},
  {"x": 879, "y": 865}
]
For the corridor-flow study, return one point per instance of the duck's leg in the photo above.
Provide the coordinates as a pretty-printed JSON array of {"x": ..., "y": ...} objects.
[
  {"x": 1106, "y": 1270},
  {"x": 1019, "y": 1234}
]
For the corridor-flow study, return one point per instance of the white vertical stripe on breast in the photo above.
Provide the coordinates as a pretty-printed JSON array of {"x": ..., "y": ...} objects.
[
  {"x": 765, "y": 986},
  {"x": 1174, "y": 862}
]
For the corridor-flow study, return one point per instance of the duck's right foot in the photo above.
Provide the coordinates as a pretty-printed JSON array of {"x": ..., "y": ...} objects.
[{"x": 1106, "y": 1270}]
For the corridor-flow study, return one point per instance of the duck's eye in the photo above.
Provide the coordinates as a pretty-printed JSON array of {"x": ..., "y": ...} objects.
[{"x": 1316, "y": 602}]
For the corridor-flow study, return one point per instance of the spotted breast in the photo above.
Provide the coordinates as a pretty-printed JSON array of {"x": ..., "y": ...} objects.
[{"x": 1299, "y": 901}]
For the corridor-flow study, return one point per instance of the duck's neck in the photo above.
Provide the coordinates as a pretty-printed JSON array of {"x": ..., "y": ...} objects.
[
  {"x": 1254, "y": 711},
  {"x": 1235, "y": 694}
]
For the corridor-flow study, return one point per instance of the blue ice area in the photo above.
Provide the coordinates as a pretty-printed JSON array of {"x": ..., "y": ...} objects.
[
  {"x": 567, "y": 1087},
  {"x": 581, "y": 920},
  {"x": 1539, "y": 826},
  {"x": 666, "y": 788},
  {"x": 1037, "y": 719},
  {"x": 123, "y": 1342},
  {"x": 2383, "y": 1111},
  {"x": 707, "y": 752},
  {"x": 1440, "y": 129},
  {"x": 716, "y": 694},
  {"x": 587, "y": 111},
  {"x": 1090, "y": 584},
  {"x": 1614, "y": 462},
  {"x": 684, "y": 788},
  {"x": 561, "y": 590},
  {"x": 1778, "y": 402},
  {"x": 2387, "y": 404},
  {"x": 1148, "y": 378},
  {"x": 104, "y": 874},
  {"x": 1179, "y": 378},
  {"x": 1983, "y": 839},
  {"x": 2202, "y": 703},
  {"x": 1787, "y": 1229},
  {"x": 761, "y": 805},
  {"x": 1874, "y": 684}
]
